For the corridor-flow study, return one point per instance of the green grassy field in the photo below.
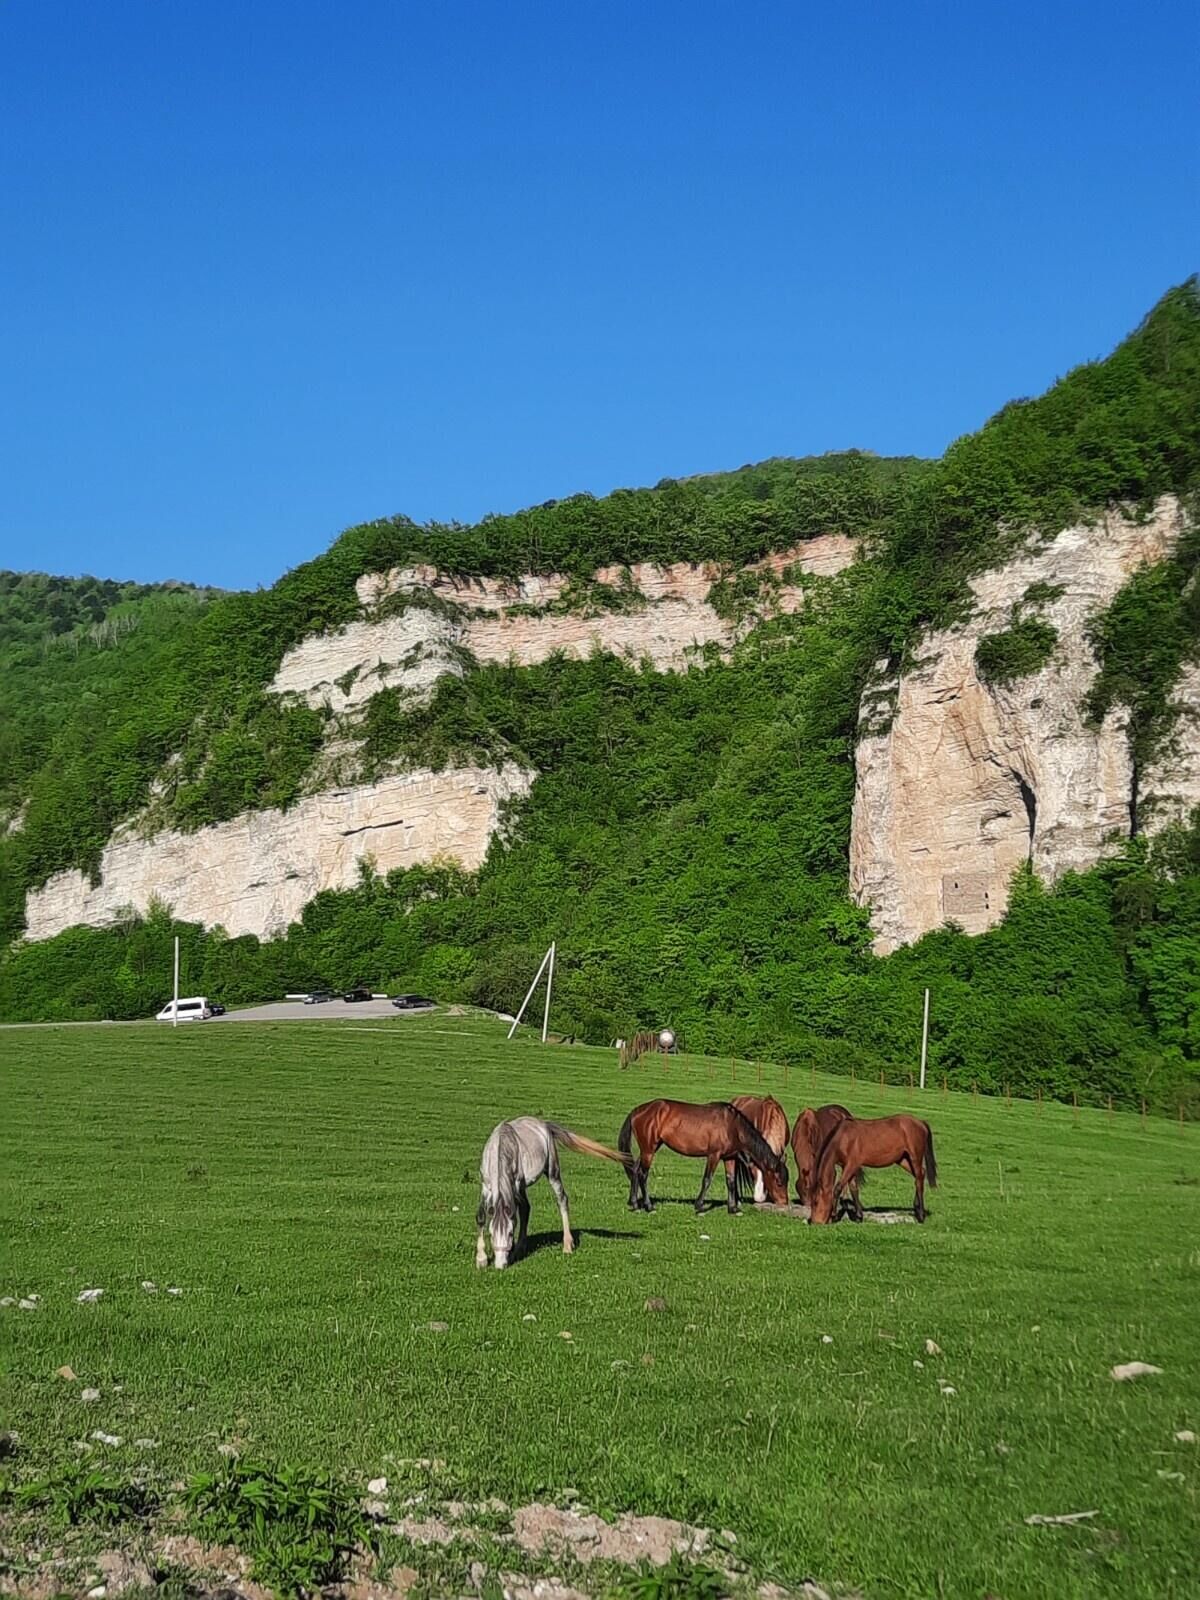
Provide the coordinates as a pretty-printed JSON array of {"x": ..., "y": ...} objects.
[{"x": 312, "y": 1190}]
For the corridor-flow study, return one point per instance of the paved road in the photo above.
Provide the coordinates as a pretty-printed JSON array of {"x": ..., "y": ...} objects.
[
  {"x": 278, "y": 1011},
  {"x": 332, "y": 1010}
]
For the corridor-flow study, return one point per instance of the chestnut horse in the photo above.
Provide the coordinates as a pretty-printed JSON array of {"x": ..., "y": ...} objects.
[
  {"x": 809, "y": 1133},
  {"x": 769, "y": 1117},
  {"x": 877, "y": 1142},
  {"x": 718, "y": 1132}
]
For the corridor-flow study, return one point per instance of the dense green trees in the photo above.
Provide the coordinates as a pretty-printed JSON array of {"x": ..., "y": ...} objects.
[{"x": 686, "y": 840}]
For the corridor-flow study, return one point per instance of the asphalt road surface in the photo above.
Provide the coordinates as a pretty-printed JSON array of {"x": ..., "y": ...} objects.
[{"x": 337, "y": 1010}]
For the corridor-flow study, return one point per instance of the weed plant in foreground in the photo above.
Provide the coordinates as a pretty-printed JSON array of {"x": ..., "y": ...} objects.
[{"x": 311, "y": 1190}]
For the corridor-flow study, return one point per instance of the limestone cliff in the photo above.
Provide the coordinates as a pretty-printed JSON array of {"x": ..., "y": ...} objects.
[
  {"x": 666, "y": 615},
  {"x": 965, "y": 781},
  {"x": 256, "y": 873}
]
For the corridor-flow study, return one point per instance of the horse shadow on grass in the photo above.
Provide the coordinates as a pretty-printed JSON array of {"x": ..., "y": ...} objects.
[{"x": 547, "y": 1241}]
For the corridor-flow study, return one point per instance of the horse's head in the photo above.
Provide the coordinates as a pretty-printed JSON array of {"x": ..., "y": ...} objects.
[
  {"x": 775, "y": 1181},
  {"x": 821, "y": 1203},
  {"x": 805, "y": 1140}
]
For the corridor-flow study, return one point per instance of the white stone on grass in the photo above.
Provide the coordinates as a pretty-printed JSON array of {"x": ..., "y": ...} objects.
[{"x": 1134, "y": 1369}]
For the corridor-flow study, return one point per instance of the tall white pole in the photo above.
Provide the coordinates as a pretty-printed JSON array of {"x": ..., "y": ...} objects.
[
  {"x": 175, "y": 1002},
  {"x": 549, "y": 986},
  {"x": 925, "y": 1038},
  {"x": 529, "y": 996}
]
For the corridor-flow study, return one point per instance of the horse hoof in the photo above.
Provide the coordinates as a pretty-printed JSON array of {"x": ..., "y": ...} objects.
[{"x": 568, "y": 1247}]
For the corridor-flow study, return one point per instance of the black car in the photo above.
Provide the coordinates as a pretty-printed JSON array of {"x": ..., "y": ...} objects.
[
  {"x": 357, "y": 994},
  {"x": 412, "y": 1002},
  {"x": 318, "y": 997},
  {"x": 215, "y": 1010}
]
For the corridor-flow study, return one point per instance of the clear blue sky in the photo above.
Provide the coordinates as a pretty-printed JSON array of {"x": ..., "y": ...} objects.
[{"x": 268, "y": 269}]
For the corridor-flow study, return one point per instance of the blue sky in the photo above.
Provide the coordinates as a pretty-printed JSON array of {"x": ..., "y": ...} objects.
[{"x": 269, "y": 269}]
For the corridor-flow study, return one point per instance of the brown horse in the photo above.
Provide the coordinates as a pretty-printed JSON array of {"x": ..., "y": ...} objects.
[
  {"x": 718, "y": 1132},
  {"x": 809, "y": 1133},
  {"x": 878, "y": 1142},
  {"x": 769, "y": 1117},
  {"x": 641, "y": 1044}
]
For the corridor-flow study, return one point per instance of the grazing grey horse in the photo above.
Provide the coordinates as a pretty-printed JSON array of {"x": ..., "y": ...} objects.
[{"x": 514, "y": 1158}]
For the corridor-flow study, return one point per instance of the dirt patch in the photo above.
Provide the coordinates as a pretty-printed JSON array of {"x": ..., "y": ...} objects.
[
  {"x": 549, "y": 1530},
  {"x": 801, "y": 1214}
]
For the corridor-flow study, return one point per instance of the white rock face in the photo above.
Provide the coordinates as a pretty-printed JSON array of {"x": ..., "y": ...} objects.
[
  {"x": 970, "y": 781},
  {"x": 413, "y": 649},
  {"x": 256, "y": 873}
]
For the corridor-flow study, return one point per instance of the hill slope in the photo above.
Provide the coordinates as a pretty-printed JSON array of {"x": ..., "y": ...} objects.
[{"x": 686, "y": 835}]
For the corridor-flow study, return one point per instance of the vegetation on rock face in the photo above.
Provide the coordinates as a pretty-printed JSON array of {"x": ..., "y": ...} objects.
[
  {"x": 1148, "y": 633},
  {"x": 686, "y": 840},
  {"x": 1022, "y": 649}
]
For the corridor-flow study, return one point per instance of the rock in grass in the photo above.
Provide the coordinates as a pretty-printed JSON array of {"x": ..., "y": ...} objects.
[
  {"x": 65, "y": 1372},
  {"x": 121, "y": 1574},
  {"x": 87, "y": 1297},
  {"x": 88, "y": 1395},
  {"x": 1134, "y": 1369},
  {"x": 1185, "y": 1436},
  {"x": 655, "y": 1303}
]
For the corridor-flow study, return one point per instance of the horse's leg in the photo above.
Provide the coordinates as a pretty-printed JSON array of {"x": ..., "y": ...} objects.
[
  {"x": 643, "y": 1171},
  {"x": 919, "y": 1190},
  {"x": 635, "y": 1186},
  {"x": 732, "y": 1199},
  {"x": 523, "y": 1218},
  {"x": 481, "y": 1218},
  {"x": 710, "y": 1166},
  {"x": 560, "y": 1194},
  {"x": 850, "y": 1181}
]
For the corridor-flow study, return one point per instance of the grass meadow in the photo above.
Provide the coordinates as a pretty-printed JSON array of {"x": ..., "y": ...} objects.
[{"x": 311, "y": 1189}]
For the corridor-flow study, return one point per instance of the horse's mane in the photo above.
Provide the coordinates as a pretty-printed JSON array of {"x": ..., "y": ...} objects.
[
  {"x": 508, "y": 1165},
  {"x": 757, "y": 1148},
  {"x": 820, "y": 1175}
]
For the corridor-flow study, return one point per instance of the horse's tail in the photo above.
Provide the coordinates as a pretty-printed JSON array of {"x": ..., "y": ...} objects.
[
  {"x": 625, "y": 1137},
  {"x": 588, "y": 1147},
  {"x": 930, "y": 1159}
]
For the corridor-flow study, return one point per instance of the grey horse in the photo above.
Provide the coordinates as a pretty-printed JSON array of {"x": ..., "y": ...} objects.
[{"x": 516, "y": 1155}]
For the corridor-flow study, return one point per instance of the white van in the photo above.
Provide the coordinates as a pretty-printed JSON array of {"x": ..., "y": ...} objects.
[{"x": 194, "y": 1010}]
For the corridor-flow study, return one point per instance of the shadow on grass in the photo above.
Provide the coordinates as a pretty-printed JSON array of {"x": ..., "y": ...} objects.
[{"x": 553, "y": 1241}]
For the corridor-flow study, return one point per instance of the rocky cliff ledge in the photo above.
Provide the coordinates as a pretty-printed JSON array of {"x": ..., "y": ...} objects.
[
  {"x": 256, "y": 873},
  {"x": 665, "y": 614},
  {"x": 968, "y": 780}
]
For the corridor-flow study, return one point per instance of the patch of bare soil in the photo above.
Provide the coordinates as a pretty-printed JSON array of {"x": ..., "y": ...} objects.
[
  {"x": 541, "y": 1532},
  {"x": 549, "y": 1530},
  {"x": 800, "y": 1213}
]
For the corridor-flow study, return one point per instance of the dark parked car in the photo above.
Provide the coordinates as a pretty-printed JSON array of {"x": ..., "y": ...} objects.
[
  {"x": 318, "y": 997},
  {"x": 411, "y": 1002},
  {"x": 215, "y": 1009},
  {"x": 357, "y": 994}
]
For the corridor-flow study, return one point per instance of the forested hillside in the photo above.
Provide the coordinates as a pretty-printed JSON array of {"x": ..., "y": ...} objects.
[{"x": 686, "y": 840}]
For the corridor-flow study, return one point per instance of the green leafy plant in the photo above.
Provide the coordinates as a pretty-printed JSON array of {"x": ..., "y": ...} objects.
[
  {"x": 80, "y": 1494},
  {"x": 678, "y": 1579},
  {"x": 298, "y": 1526}
]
